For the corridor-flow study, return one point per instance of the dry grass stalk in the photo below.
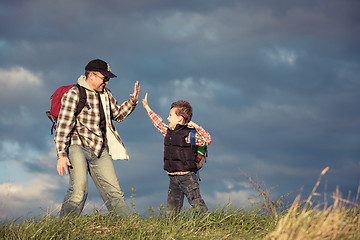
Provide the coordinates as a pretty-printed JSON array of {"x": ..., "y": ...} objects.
[
  {"x": 268, "y": 204},
  {"x": 338, "y": 221},
  {"x": 315, "y": 187}
]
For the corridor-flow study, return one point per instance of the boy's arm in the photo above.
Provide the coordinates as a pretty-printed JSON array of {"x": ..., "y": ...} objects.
[
  {"x": 202, "y": 137},
  {"x": 155, "y": 119},
  {"x": 158, "y": 123}
]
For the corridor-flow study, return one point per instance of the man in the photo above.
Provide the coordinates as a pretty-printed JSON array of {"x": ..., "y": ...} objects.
[{"x": 85, "y": 142}]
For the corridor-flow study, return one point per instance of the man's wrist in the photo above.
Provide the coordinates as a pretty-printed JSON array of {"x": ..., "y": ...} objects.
[
  {"x": 133, "y": 101},
  {"x": 61, "y": 155}
]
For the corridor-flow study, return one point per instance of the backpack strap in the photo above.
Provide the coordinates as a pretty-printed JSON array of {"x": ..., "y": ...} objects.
[
  {"x": 192, "y": 137},
  {"x": 53, "y": 122},
  {"x": 82, "y": 101},
  {"x": 193, "y": 146}
]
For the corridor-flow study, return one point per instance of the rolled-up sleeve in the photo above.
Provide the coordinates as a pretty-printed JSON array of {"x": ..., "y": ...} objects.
[{"x": 120, "y": 112}]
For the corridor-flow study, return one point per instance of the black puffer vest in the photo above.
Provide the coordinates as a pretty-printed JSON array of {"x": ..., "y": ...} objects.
[{"x": 178, "y": 155}]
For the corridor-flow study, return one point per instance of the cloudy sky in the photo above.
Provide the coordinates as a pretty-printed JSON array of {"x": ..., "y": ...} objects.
[{"x": 276, "y": 83}]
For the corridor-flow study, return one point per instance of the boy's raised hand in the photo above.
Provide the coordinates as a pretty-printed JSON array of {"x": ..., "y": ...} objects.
[{"x": 145, "y": 103}]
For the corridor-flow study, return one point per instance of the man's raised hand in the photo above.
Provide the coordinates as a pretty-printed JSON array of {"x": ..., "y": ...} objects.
[{"x": 135, "y": 95}]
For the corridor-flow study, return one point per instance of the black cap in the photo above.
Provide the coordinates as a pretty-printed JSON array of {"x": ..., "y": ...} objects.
[{"x": 101, "y": 66}]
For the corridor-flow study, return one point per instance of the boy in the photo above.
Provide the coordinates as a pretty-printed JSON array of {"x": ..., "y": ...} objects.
[{"x": 179, "y": 157}]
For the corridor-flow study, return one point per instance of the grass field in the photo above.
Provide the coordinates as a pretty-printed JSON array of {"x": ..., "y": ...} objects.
[{"x": 271, "y": 220}]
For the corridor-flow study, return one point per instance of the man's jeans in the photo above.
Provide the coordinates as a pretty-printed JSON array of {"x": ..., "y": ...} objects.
[
  {"x": 187, "y": 185},
  {"x": 102, "y": 171}
]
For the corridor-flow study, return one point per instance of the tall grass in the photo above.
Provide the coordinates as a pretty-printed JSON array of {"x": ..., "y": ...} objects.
[
  {"x": 221, "y": 223},
  {"x": 334, "y": 222},
  {"x": 272, "y": 220},
  {"x": 337, "y": 221}
]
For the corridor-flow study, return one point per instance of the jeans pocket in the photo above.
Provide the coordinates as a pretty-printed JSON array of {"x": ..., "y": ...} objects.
[{"x": 193, "y": 193}]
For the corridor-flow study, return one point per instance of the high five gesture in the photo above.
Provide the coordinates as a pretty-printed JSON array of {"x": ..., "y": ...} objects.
[{"x": 135, "y": 95}]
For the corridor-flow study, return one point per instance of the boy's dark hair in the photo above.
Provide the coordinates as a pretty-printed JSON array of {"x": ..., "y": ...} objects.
[{"x": 184, "y": 109}]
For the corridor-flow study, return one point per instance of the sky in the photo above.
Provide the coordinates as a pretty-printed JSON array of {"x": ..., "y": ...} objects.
[{"x": 275, "y": 83}]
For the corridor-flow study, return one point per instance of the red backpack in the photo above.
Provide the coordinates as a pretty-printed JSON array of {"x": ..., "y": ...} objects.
[{"x": 56, "y": 103}]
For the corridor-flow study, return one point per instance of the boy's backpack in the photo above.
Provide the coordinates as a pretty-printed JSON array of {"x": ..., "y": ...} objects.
[
  {"x": 56, "y": 103},
  {"x": 200, "y": 151}
]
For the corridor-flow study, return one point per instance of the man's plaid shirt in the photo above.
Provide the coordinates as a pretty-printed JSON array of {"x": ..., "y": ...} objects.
[{"x": 87, "y": 121}]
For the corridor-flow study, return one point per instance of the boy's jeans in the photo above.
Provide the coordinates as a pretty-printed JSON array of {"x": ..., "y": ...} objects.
[
  {"x": 187, "y": 185},
  {"x": 102, "y": 171}
]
